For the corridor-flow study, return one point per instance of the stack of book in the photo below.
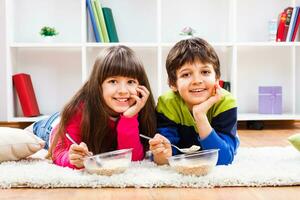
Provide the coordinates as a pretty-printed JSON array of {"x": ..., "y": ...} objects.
[
  {"x": 288, "y": 24},
  {"x": 225, "y": 85},
  {"x": 102, "y": 22}
]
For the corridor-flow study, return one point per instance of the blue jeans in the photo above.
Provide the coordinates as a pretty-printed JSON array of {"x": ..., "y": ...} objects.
[{"x": 43, "y": 127}]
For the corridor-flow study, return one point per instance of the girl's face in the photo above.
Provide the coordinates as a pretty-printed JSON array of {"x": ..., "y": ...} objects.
[
  {"x": 195, "y": 82},
  {"x": 117, "y": 91}
]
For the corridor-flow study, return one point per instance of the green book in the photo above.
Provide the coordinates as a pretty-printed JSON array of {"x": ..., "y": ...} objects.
[
  {"x": 101, "y": 20},
  {"x": 97, "y": 21},
  {"x": 110, "y": 25}
]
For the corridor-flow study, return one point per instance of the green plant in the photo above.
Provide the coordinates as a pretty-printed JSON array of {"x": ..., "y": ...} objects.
[{"x": 48, "y": 31}]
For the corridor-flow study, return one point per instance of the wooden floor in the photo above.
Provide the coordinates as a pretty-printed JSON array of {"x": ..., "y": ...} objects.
[{"x": 272, "y": 135}]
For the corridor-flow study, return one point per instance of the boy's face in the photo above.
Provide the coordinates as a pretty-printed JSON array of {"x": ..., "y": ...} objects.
[{"x": 195, "y": 82}]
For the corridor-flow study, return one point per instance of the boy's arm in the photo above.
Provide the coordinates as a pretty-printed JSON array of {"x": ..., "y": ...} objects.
[
  {"x": 160, "y": 144},
  {"x": 128, "y": 136},
  {"x": 222, "y": 135},
  {"x": 168, "y": 129}
]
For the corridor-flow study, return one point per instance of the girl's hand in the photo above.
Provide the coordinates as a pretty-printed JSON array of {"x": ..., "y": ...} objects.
[
  {"x": 200, "y": 110},
  {"x": 140, "y": 101},
  {"x": 77, "y": 153},
  {"x": 161, "y": 149}
]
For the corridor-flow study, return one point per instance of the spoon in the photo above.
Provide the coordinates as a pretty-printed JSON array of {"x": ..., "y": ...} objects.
[
  {"x": 88, "y": 154},
  {"x": 190, "y": 150}
]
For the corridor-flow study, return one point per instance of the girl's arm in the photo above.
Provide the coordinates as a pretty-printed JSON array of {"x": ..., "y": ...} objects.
[
  {"x": 61, "y": 150},
  {"x": 128, "y": 136}
]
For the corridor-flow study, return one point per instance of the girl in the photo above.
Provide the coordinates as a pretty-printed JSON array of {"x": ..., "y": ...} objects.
[{"x": 107, "y": 113}]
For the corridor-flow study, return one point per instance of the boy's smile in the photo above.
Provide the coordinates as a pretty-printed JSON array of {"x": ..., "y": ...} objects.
[
  {"x": 117, "y": 93},
  {"x": 195, "y": 82}
]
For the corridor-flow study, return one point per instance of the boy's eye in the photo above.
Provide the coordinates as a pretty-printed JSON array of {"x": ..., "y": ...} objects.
[
  {"x": 205, "y": 72},
  {"x": 185, "y": 75}
]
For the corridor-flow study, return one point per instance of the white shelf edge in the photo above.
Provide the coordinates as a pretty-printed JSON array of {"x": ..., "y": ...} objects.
[
  {"x": 133, "y": 44},
  {"x": 27, "y": 119},
  {"x": 29, "y": 45},
  {"x": 215, "y": 44},
  {"x": 130, "y": 44},
  {"x": 268, "y": 44},
  {"x": 256, "y": 116}
]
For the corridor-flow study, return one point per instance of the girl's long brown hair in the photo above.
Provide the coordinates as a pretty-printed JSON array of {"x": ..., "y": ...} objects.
[{"x": 112, "y": 61}]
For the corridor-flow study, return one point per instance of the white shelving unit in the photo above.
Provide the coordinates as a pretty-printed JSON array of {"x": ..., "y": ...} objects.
[{"x": 238, "y": 29}]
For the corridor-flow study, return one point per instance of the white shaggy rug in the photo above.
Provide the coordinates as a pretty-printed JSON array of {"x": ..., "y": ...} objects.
[{"x": 263, "y": 166}]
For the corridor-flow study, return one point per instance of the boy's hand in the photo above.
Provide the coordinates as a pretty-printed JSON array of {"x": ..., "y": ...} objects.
[
  {"x": 161, "y": 149},
  {"x": 140, "y": 101},
  {"x": 200, "y": 110},
  {"x": 77, "y": 153}
]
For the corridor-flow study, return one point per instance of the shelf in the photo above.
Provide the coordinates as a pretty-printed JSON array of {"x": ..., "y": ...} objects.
[
  {"x": 27, "y": 119},
  {"x": 267, "y": 44},
  {"x": 26, "y": 18},
  {"x": 40, "y": 45},
  {"x": 214, "y": 44},
  {"x": 264, "y": 66},
  {"x": 131, "y": 44},
  {"x": 211, "y": 19},
  {"x": 256, "y": 116},
  {"x": 253, "y": 17},
  {"x": 55, "y": 74},
  {"x": 151, "y": 28}
]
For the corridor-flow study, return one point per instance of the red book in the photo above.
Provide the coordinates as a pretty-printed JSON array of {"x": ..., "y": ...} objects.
[
  {"x": 24, "y": 88},
  {"x": 288, "y": 12},
  {"x": 221, "y": 83},
  {"x": 281, "y": 27}
]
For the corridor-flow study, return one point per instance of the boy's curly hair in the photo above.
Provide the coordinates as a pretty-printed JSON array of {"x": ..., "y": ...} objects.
[{"x": 190, "y": 51}]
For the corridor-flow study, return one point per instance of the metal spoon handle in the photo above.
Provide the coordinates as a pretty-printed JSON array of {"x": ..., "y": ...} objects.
[
  {"x": 148, "y": 138},
  {"x": 73, "y": 141}
]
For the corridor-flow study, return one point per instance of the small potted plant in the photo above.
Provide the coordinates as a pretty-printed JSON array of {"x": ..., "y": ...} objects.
[
  {"x": 48, "y": 33},
  {"x": 187, "y": 32}
]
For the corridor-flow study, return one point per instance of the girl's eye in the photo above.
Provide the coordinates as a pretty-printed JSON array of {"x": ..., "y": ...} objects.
[
  {"x": 132, "y": 82},
  {"x": 112, "y": 81}
]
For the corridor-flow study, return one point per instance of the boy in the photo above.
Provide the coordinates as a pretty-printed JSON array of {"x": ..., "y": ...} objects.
[{"x": 197, "y": 111}]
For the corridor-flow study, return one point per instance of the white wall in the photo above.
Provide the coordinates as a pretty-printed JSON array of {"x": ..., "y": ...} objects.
[{"x": 2, "y": 63}]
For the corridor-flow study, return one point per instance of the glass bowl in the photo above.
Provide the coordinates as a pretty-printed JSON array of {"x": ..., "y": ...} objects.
[
  {"x": 109, "y": 163},
  {"x": 199, "y": 164}
]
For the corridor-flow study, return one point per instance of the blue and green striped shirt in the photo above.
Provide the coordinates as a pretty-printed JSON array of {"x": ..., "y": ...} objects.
[{"x": 176, "y": 122}]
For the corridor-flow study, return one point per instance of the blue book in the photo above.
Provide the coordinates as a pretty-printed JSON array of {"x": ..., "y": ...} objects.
[
  {"x": 293, "y": 23},
  {"x": 93, "y": 20}
]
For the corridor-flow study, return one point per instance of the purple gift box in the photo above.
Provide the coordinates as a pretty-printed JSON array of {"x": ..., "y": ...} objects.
[{"x": 270, "y": 100}]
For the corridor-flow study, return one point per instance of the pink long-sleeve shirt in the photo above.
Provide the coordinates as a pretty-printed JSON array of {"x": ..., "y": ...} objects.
[{"x": 127, "y": 137}]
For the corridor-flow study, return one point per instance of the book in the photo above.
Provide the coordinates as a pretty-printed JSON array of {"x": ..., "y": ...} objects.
[
  {"x": 281, "y": 26},
  {"x": 288, "y": 11},
  {"x": 93, "y": 20},
  {"x": 97, "y": 21},
  {"x": 221, "y": 83},
  {"x": 226, "y": 86},
  {"x": 25, "y": 91},
  {"x": 292, "y": 24},
  {"x": 296, "y": 27},
  {"x": 101, "y": 20},
  {"x": 110, "y": 24}
]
